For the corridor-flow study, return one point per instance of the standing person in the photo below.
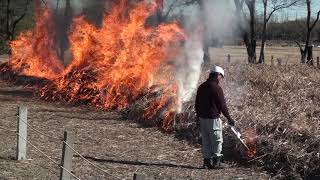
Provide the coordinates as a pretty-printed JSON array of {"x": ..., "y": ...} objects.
[{"x": 210, "y": 103}]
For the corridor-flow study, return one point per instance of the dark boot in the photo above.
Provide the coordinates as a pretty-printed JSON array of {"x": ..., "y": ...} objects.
[
  {"x": 207, "y": 164},
  {"x": 217, "y": 164}
]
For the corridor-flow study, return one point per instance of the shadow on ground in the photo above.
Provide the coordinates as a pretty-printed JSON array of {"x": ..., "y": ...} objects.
[{"x": 139, "y": 163}]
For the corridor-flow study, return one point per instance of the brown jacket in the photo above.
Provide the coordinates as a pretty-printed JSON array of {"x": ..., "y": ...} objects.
[{"x": 210, "y": 101}]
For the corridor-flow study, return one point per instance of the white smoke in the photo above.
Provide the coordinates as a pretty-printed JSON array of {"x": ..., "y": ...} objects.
[
  {"x": 190, "y": 60},
  {"x": 217, "y": 18},
  {"x": 189, "y": 72}
]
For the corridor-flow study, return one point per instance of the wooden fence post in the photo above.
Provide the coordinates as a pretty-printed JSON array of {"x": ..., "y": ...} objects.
[
  {"x": 22, "y": 133},
  {"x": 138, "y": 177},
  {"x": 279, "y": 61},
  {"x": 318, "y": 62},
  {"x": 67, "y": 154},
  {"x": 229, "y": 58}
]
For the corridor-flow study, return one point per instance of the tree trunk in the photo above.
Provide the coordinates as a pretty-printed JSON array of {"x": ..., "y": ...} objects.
[
  {"x": 264, "y": 32},
  {"x": 310, "y": 56},
  {"x": 305, "y": 52},
  {"x": 263, "y": 44},
  {"x": 253, "y": 43},
  {"x": 306, "y": 48},
  {"x": 57, "y": 6},
  {"x": 248, "y": 39},
  {"x": 8, "y": 20},
  {"x": 16, "y": 21},
  {"x": 206, "y": 36},
  {"x": 63, "y": 39}
]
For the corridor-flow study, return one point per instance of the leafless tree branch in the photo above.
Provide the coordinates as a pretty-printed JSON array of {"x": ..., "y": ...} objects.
[
  {"x": 14, "y": 25},
  {"x": 277, "y": 7},
  {"x": 316, "y": 20}
]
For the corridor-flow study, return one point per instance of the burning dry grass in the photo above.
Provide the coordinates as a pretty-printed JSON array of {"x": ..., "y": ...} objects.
[
  {"x": 281, "y": 105},
  {"x": 112, "y": 65}
]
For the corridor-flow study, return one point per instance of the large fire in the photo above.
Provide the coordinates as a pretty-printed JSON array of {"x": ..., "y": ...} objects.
[
  {"x": 34, "y": 53},
  {"x": 112, "y": 65}
]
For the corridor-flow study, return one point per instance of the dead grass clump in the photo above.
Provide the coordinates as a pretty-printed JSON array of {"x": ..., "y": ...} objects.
[
  {"x": 285, "y": 105},
  {"x": 281, "y": 104}
]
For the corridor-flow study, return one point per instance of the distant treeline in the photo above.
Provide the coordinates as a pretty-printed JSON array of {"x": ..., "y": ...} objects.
[{"x": 291, "y": 30}]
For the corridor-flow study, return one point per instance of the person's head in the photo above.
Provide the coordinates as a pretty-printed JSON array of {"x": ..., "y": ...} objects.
[{"x": 216, "y": 73}]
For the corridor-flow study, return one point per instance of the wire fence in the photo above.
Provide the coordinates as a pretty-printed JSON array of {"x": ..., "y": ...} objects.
[
  {"x": 40, "y": 151},
  {"x": 61, "y": 140}
]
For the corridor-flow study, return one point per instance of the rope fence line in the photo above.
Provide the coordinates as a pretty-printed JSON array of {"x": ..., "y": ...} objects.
[
  {"x": 40, "y": 132},
  {"x": 48, "y": 157},
  {"x": 21, "y": 132},
  {"x": 39, "y": 150},
  {"x": 92, "y": 164},
  {"x": 55, "y": 137}
]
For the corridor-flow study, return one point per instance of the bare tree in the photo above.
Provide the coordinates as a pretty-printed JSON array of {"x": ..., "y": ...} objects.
[
  {"x": 310, "y": 26},
  {"x": 8, "y": 19},
  {"x": 252, "y": 43},
  {"x": 57, "y": 5},
  {"x": 174, "y": 3},
  {"x": 64, "y": 29},
  {"x": 275, "y": 6},
  {"x": 11, "y": 21},
  {"x": 248, "y": 35}
]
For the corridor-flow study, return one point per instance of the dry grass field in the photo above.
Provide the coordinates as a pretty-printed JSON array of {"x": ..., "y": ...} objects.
[
  {"x": 290, "y": 54},
  {"x": 281, "y": 105},
  {"x": 238, "y": 53}
]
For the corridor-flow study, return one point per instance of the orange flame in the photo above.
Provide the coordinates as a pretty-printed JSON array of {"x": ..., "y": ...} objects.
[
  {"x": 251, "y": 141},
  {"x": 112, "y": 65},
  {"x": 33, "y": 52}
]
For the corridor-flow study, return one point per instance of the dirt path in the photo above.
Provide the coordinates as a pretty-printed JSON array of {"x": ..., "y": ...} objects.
[{"x": 118, "y": 146}]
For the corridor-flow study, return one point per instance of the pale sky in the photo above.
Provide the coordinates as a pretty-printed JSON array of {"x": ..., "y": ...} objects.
[
  {"x": 295, "y": 11},
  {"x": 292, "y": 12}
]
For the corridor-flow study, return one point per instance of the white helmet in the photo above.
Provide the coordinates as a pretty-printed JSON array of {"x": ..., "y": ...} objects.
[{"x": 217, "y": 69}]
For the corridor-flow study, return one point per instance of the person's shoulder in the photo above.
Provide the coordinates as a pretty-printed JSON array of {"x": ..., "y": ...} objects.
[
  {"x": 205, "y": 83},
  {"x": 215, "y": 86}
]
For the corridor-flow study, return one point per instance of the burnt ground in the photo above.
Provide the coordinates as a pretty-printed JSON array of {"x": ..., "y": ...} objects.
[{"x": 115, "y": 144}]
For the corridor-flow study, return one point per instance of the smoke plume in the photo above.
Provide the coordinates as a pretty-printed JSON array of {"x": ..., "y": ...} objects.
[{"x": 204, "y": 23}]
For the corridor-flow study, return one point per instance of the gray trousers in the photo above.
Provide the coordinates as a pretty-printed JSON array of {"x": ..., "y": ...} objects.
[{"x": 212, "y": 139}]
